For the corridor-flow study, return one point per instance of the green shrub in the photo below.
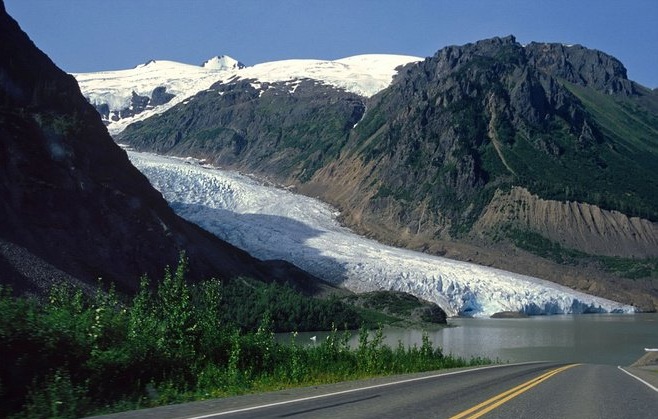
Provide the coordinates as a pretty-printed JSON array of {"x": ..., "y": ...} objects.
[{"x": 75, "y": 355}]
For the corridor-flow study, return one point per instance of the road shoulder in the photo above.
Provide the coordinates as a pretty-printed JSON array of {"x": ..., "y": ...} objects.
[{"x": 646, "y": 368}]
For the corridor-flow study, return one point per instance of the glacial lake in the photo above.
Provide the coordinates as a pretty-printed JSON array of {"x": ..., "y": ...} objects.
[{"x": 613, "y": 339}]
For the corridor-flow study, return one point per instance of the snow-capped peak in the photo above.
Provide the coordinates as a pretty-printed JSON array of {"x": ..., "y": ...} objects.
[
  {"x": 112, "y": 91},
  {"x": 149, "y": 62},
  {"x": 222, "y": 62}
]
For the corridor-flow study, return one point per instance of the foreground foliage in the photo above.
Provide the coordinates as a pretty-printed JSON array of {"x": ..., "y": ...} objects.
[{"x": 72, "y": 355}]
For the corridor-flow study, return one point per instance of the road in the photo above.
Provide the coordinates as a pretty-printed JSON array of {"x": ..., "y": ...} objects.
[{"x": 533, "y": 390}]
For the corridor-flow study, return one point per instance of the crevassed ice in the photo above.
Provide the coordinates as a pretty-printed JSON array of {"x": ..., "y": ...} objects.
[{"x": 272, "y": 223}]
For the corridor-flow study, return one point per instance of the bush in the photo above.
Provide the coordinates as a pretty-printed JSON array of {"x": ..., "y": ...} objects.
[{"x": 75, "y": 355}]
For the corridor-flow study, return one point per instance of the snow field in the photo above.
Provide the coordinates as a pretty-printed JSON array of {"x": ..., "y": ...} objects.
[{"x": 363, "y": 74}]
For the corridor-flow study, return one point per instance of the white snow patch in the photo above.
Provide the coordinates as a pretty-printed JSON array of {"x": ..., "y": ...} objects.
[
  {"x": 273, "y": 223},
  {"x": 363, "y": 74},
  {"x": 115, "y": 87},
  {"x": 222, "y": 62}
]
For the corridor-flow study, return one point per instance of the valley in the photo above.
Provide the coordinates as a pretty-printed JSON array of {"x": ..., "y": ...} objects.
[
  {"x": 490, "y": 179},
  {"x": 492, "y": 153}
]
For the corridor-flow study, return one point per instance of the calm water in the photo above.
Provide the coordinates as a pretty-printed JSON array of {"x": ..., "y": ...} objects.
[{"x": 599, "y": 339}]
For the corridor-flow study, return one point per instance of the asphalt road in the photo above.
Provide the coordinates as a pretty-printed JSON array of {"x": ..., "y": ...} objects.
[{"x": 536, "y": 390}]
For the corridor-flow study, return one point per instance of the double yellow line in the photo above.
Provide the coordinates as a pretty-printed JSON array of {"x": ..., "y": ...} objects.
[{"x": 492, "y": 403}]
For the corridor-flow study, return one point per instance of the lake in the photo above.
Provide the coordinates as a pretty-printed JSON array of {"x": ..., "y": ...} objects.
[{"x": 613, "y": 339}]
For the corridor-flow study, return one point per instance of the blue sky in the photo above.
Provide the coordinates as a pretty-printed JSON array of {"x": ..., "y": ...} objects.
[{"x": 91, "y": 35}]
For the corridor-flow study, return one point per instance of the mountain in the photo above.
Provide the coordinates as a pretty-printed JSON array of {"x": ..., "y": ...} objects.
[
  {"x": 223, "y": 62},
  {"x": 72, "y": 206},
  {"x": 538, "y": 158},
  {"x": 126, "y": 96}
]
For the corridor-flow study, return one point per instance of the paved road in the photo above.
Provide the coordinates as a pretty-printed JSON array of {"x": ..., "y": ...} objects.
[{"x": 537, "y": 390}]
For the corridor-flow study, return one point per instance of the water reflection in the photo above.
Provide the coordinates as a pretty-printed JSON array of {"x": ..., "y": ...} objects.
[{"x": 597, "y": 338}]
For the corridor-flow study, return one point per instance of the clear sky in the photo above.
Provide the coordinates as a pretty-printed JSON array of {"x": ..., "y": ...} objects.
[{"x": 92, "y": 35}]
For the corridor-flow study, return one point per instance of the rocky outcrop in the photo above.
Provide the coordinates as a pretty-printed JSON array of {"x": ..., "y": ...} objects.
[{"x": 579, "y": 65}]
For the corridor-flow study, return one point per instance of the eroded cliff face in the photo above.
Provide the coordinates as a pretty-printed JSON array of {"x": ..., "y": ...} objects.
[{"x": 573, "y": 225}]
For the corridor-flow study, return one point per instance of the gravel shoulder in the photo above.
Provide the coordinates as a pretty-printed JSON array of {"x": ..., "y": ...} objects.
[{"x": 646, "y": 368}]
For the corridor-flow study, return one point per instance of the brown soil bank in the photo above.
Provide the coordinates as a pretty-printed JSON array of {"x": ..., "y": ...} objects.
[{"x": 573, "y": 225}]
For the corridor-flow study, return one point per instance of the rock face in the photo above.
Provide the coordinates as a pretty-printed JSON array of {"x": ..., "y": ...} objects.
[
  {"x": 72, "y": 206},
  {"x": 579, "y": 65},
  {"x": 436, "y": 156}
]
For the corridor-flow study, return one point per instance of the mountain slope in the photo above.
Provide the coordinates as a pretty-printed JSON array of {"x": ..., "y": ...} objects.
[
  {"x": 126, "y": 96},
  {"x": 259, "y": 127},
  {"x": 72, "y": 206},
  {"x": 437, "y": 157},
  {"x": 478, "y": 118}
]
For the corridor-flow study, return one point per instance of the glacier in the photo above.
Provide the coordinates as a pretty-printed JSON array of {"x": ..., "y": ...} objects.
[{"x": 271, "y": 222}]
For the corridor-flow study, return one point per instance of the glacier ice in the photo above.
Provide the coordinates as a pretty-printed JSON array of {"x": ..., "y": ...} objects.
[{"x": 273, "y": 223}]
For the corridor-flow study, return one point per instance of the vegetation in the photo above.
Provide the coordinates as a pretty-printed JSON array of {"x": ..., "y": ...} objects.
[
  {"x": 627, "y": 158},
  {"x": 245, "y": 302},
  {"x": 75, "y": 355},
  {"x": 624, "y": 267},
  {"x": 396, "y": 308}
]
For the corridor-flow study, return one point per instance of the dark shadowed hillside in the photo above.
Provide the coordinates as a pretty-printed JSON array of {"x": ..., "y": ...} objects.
[{"x": 72, "y": 207}]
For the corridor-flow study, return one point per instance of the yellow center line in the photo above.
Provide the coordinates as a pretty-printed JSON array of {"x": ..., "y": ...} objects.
[{"x": 492, "y": 403}]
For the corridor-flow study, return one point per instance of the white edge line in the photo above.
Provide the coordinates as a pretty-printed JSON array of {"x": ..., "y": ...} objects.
[
  {"x": 354, "y": 390},
  {"x": 638, "y": 379}
]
